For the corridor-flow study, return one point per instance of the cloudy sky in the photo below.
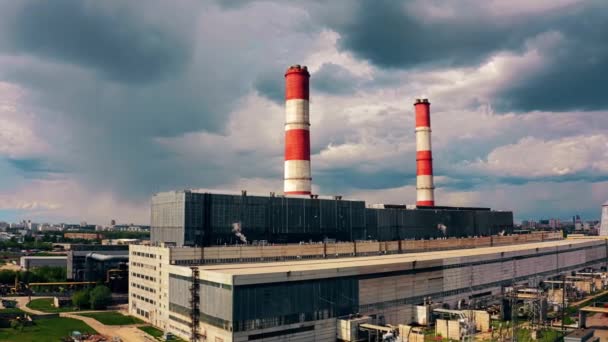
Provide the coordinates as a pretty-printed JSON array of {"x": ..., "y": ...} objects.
[{"x": 103, "y": 103}]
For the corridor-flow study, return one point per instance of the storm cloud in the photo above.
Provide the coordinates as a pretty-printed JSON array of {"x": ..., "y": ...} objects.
[
  {"x": 113, "y": 101},
  {"x": 437, "y": 34},
  {"x": 116, "y": 39}
]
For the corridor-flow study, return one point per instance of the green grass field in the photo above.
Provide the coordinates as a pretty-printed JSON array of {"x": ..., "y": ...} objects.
[
  {"x": 157, "y": 333},
  {"x": 46, "y": 305},
  {"x": 112, "y": 318},
  {"x": 151, "y": 331},
  {"x": 11, "y": 311},
  {"x": 45, "y": 330}
]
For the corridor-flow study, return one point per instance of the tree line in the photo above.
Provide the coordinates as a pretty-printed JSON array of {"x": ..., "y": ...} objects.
[{"x": 42, "y": 274}]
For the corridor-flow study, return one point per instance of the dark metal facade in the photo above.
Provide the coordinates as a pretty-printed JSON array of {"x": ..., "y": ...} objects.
[
  {"x": 268, "y": 305},
  {"x": 397, "y": 224},
  {"x": 204, "y": 219},
  {"x": 76, "y": 264}
]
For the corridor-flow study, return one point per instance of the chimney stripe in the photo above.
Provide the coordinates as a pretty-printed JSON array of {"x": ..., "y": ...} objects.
[{"x": 297, "y": 144}]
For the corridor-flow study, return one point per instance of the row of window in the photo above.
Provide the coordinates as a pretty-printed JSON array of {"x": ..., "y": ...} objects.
[
  {"x": 143, "y": 313},
  {"x": 145, "y": 299},
  {"x": 142, "y": 287},
  {"x": 146, "y": 255},
  {"x": 178, "y": 329},
  {"x": 271, "y": 259},
  {"x": 143, "y": 276},
  {"x": 142, "y": 265}
]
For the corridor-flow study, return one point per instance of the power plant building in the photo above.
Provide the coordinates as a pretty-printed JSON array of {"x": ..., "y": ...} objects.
[
  {"x": 295, "y": 267},
  {"x": 191, "y": 218},
  {"x": 604, "y": 220},
  {"x": 184, "y": 291}
]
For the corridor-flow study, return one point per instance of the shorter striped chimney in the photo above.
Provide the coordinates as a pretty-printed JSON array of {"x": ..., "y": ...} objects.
[{"x": 424, "y": 158}]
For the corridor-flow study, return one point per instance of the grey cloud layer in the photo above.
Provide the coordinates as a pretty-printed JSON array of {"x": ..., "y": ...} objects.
[
  {"x": 114, "y": 38},
  {"x": 400, "y": 35},
  {"x": 121, "y": 75},
  {"x": 154, "y": 97},
  {"x": 575, "y": 72}
]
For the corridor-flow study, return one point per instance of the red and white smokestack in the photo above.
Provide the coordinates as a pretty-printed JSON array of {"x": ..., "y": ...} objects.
[
  {"x": 424, "y": 157},
  {"x": 297, "y": 132}
]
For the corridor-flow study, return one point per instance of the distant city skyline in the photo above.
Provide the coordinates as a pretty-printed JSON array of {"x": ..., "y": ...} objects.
[{"x": 103, "y": 104}]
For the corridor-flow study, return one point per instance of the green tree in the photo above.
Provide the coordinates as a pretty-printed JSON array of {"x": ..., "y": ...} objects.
[
  {"x": 101, "y": 296},
  {"x": 81, "y": 299},
  {"x": 7, "y": 276},
  {"x": 50, "y": 274},
  {"x": 16, "y": 324}
]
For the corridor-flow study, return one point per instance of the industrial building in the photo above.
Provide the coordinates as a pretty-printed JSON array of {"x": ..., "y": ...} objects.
[
  {"x": 29, "y": 262},
  {"x": 299, "y": 267},
  {"x": 84, "y": 262},
  {"x": 186, "y": 291},
  {"x": 191, "y": 218},
  {"x": 604, "y": 221}
]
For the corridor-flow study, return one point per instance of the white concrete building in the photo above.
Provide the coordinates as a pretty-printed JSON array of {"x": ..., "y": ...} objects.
[
  {"x": 301, "y": 300},
  {"x": 604, "y": 221}
]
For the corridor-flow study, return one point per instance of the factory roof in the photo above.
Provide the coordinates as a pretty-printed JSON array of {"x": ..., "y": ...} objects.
[
  {"x": 45, "y": 257},
  {"x": 249, "y": 273}
]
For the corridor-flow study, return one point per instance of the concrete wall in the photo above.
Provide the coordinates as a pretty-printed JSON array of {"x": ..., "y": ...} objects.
[
  {"x": 249, "y": 253},
  {"x": 40, "y": 261}
]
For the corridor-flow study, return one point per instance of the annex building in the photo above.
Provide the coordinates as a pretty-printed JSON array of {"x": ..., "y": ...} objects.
[{"x": 272, "y": 293}]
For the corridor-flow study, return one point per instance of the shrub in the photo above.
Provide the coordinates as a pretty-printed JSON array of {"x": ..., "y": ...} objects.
[
  {"x": 81, "y": 299},
  {"x": 100, "y": 297}
]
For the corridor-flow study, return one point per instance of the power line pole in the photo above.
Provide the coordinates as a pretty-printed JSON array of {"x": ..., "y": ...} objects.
[{"x": 563, "y": 304}]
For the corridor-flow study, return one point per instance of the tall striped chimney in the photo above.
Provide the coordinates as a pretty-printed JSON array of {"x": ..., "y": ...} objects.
[
  {"x": 424, "y": 157},
  {"x": 297, "y": 132}
]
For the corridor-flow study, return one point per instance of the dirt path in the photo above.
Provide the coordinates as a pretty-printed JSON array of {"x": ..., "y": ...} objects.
[
  {"x": 125, "y": 332},
  {"x": 10, "y": 266},
  {"x": 22, "y": 304}
]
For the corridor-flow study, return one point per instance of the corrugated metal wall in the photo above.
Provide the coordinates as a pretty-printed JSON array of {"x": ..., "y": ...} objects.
[
  {"x": 268, "y": 305},
  {"x": 395, "y": 224},
  {"x": 207, "y": 219},
  {"x": 215, "y": 300},
  {"x": 282, "y": 219},
  {"x": 168, "y": 218}
]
